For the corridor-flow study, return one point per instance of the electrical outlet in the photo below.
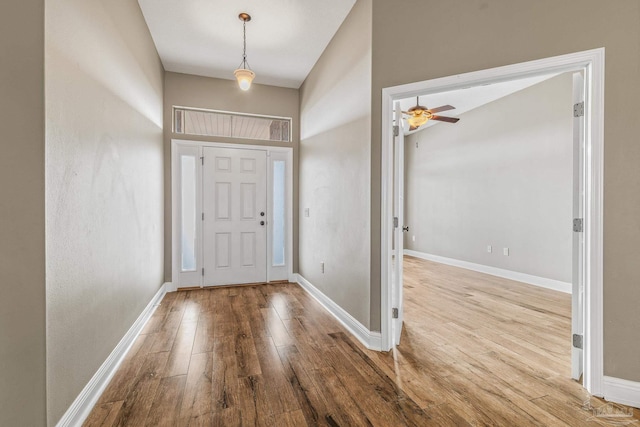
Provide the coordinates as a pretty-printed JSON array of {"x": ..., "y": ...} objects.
[
  {"x": 489, "y": 249},
  {"x": 306, "y": 212},
  {"x": 322, "y": 267},
  {"x": 505, "y": 251}
]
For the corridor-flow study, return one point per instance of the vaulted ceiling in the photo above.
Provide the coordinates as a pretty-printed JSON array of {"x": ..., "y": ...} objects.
[{"x": 285, "y": 38}]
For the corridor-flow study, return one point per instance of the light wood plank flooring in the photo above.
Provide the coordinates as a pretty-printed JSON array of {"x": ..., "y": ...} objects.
[{"x": 476, "y": 350}]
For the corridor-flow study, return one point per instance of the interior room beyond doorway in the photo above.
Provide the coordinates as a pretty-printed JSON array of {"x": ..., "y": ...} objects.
[{"x": 493, "y": 193}]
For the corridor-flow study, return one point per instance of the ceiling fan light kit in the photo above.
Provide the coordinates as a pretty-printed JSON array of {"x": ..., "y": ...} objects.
[
  {"x": 243, "y": 74},
  {"x": 419, "y": 115},
  {"x": 417, "y": 121}
]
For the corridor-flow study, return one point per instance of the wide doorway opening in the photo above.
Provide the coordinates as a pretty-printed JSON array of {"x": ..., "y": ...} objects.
[{"x": 581, "y": 271}]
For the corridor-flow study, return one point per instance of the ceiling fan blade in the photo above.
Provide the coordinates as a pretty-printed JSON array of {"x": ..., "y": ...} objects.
[
  {"x": 439, "y": 109},
  {"x": 406, "y": 112},
  {"x": 445, "y": 119},
  {"x": 413, "y": 127}
]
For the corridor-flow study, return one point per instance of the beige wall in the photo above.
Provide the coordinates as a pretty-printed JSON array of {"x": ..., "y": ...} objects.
[
  {"x": 104, "y": 234},
  {"x": 335, "y": 160},
  {"x": 497, "y": 178},
  {"x": 482, "y": 34},
  {"x": 22, "y": 262},
  {"x": 218, "y": 94}
]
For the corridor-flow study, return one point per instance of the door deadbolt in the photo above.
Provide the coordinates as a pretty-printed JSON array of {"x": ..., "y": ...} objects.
[
  {"x": 261, "y": 213},
  {"x": 261, "y": 222}
]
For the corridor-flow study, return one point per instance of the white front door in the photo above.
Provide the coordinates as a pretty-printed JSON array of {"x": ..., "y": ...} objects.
[
  {"x": 234, "y": 202},
  {"x": 398, "y": 238}
]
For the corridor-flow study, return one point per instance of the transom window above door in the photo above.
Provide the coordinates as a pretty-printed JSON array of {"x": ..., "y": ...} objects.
[{"x": 194, "y": 121}]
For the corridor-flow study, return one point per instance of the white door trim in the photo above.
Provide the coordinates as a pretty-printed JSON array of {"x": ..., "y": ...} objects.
[
  {"x": 286, "y": 151},
  {"x": 592, "y": 62}
]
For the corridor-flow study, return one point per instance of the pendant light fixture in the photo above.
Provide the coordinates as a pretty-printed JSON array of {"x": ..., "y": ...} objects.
[{"x": 243, "y": 74}]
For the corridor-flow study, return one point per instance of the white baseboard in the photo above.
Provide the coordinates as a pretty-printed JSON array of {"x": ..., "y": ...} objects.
[
  {"x": 556, "y": 285},
  {"x": 84, "y": 403},
  {"x": 621, "y": 391},
  {"x": 170, "y": 287},
  {"x": 371, "y": 340}
]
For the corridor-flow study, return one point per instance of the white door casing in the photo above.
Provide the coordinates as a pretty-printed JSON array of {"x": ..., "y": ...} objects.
[
  {"x": 577, "y": 287},
  {"x": 234, "y": 203},
  {"x": 398, "y": 238}
]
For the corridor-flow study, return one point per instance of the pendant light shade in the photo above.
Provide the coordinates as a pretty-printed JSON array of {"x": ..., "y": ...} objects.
[
  {"x": 243, "y": 74},
  {"x": 244, "y": 77}
]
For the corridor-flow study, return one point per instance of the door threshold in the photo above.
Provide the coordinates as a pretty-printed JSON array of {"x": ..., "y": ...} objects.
[
  {"x": 237, "y": 285},
  {"x": 188, "y": 288}
]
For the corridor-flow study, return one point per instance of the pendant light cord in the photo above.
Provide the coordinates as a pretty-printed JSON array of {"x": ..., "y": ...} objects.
[
  {"x": 244, "y": 38},
  {"x": 244, "y": 64}
]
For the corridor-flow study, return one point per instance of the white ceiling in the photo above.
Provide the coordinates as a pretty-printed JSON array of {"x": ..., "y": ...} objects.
[
  {"x": 285, "y": 38},
  {"x": 469, "y": 98}
]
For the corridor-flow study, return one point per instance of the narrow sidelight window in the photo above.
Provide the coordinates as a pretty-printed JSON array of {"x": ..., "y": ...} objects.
[
  {"x": 278, "y": 218},
  {"x": 188, "y": 205}
]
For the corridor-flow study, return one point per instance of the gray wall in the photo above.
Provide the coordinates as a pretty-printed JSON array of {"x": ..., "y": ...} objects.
[
  {"x": 335, "y": 102},
  {"x": 490, "y": 33},
  {"x": 22, "y": 237},
  {"x": 218, "y": 94},
  {"x": 501, "y": 176},
  {"x": 104, "y": 236}
]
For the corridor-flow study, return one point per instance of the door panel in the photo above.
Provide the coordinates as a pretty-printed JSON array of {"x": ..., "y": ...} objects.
[
  {"x": 234, "y": 195},
  {"x": 223, "y": 201},
  {"x": 398, "y": 212},
  {"x": 248, "y": 201},
  {"x": 223, "y": 250},
  {"x": 577, "y": 291},
  {"x": 248, "y": 249}
]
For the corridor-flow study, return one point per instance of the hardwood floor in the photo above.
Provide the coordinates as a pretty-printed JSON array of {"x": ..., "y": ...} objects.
[{"x": 476, "y": 350}]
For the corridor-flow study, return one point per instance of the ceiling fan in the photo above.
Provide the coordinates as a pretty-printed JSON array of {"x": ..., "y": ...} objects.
[{"x": 419, "y": 115}]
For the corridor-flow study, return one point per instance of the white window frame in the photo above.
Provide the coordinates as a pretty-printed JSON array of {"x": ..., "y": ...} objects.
[
  {"x": 233, "y": 114},
  {"x": 187, "y": 278},
  {"x": 280, "y": 272}
]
